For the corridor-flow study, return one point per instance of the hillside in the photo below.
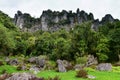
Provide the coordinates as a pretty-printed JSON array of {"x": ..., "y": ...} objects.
[
  {"x": 80, "y": 40},
  {"x": 59, "y": 42}
]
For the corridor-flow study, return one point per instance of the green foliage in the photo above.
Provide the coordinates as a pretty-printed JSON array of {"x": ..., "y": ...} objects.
[
  {"x": 81, "y": 60},
  {"x": 103, "y": 49},
  {"x": 61, "y": 48},
  {"x": 6, "y": 40},
  {"x": 43, "y": 44},
  {"x": 6, "y": 21}
]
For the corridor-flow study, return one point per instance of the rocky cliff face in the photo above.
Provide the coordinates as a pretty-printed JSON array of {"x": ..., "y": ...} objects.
[{"x": 54, "y": 20}]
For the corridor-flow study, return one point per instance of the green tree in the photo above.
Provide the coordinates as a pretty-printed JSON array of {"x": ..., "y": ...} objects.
[
  {"x": 44, "y": 44},
  {"x": 6, "y": 40},
  {"x": 114, "y": 36},
  {"x": 103, "y": 49},
  {"x": 61, "y": 49}
]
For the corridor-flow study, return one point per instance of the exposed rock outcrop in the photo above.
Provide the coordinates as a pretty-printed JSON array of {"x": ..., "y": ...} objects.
[
  {"x": 64, "y": 65},
  {"x": 55, "y": 20},
  {"x": 96, "y": 24},
  {"x": 21, "y": 76},
  {"x": 91, "y": 60},
  {"x": 13, "y": 62},
  {"x": 107, "y": 18},
  {"x": 51, "y": 20}
]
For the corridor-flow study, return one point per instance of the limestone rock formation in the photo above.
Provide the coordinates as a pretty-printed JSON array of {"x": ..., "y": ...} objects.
[
  {"x": 107, "y": 18},
  {"x": 51, "y": 20},
  {"x": 95, "y": 25},
  {"x": 55, "y": 20},
  {"x": 21, "y": 76},
  {"x": 91, "y": 60},
  {"x": 40, "y": 62}
]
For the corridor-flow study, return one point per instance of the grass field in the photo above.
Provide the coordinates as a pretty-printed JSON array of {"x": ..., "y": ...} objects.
[{"x": 70, "y": 75}]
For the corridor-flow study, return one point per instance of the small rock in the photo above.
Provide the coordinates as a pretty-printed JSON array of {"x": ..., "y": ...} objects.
[
  {"x": 78, "y": 67},
  {"x": 34, "y": 69},
  {"x": 61, "y": 66},
  {"x": 40, "y": 62},
  {"x": 104, "y": 67},
  {"x": 13, "y": 62},
  {"x": 91, "y": 77},
  {"x": 32, "y": 60},
  {"x": 7, "y": 59},
  {"x": 67, "y": 65},
  {"x": 21, "y": 67}
]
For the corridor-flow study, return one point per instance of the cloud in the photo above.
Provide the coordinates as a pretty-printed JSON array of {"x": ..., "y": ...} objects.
[{"x": 35, "y": 7}]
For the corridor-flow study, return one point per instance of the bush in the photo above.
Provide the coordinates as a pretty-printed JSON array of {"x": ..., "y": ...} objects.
[
  {"x": 19, "y": 68},
  {"x": 70, "y": 67},
  {"x": 3, "y": 71},
  {"x": 93, "y": 66},
  {"x": 82, "y": 74},
  {"x": 81, "y": 60},
  {"x": 50, "y": 65},
  {"x": 1, "y": 63}
]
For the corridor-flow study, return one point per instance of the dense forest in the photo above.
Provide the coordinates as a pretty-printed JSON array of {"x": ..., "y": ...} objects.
[{"x": 103, "y": 43}]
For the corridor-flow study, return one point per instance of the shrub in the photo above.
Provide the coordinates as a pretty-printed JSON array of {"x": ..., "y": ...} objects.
[
  {"x": 3, "y": 71},
  {"x": 69, "y": 67},
  {"x": 19, "y": 68},
  {"x": 93, "y": 66},
  {"x": 81, "y": 60},
  {"x": 82, "y": 74},
  {"x": 50, "y": 65},
  {"x": 1, "y": 63}
]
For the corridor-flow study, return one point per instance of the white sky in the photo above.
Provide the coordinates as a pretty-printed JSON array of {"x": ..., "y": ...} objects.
[{"x": 35, "y": 7}]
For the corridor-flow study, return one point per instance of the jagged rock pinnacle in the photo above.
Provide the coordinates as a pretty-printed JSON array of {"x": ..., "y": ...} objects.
[{"x": 54, "y": 20}]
